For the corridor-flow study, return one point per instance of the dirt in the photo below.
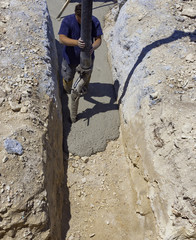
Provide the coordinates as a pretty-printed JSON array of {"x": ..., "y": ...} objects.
[{"x": 101, "y": 195}]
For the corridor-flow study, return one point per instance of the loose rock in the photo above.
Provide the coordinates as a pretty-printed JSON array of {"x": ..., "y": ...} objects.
[{"x": 13, "y": 146}]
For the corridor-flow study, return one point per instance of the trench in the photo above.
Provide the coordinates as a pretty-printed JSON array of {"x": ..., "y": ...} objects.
[
  {"x": 89, "y": 110},
  {"x": 98, "y": 200}
]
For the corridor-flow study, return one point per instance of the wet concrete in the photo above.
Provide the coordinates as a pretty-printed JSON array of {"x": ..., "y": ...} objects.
[{"x": 98, "y": 118}]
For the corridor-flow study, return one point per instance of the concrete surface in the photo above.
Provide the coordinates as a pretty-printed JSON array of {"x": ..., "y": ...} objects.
[{"x": 98, "y": 119}]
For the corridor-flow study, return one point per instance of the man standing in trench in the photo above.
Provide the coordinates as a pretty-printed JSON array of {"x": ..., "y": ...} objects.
[{"x": 69, "y": 36}]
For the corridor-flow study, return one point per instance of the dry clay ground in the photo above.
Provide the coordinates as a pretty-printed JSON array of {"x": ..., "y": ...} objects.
[
  {"x": 101, "y": 196},
  {"x": 102, "y": 199},
  {"x": 100, "y": 188}
]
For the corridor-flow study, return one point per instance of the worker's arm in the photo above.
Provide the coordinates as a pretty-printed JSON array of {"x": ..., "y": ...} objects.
[
  {"x": 96, "y": 43},
  {"x": 71, "y": 42}
]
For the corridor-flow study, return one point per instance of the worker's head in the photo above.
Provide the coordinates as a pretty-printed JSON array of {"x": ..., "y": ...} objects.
[{"x": 78, "y": 12}]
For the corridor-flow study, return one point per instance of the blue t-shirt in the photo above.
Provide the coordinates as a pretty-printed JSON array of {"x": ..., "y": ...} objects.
[{"x": 71, "y": 28}]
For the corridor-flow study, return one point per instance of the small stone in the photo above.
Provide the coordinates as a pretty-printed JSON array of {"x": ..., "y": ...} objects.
[
  {"x": 75, "y": 165},
  {"x": 13, "y": 146},
  {"x": 15, "y": 106},
  {"x": 154, "y": 95},
  {"x": 71, "y": 237},
  {"x": 72, "y": 169},
  {"x": 179, "y": 7},
  {"x": 92, "y": 235},
  {"x": 184, "y": 137},
  {"x": 85, "y": 159},
  {"x": 2, "y": 93},
  {"x": 4, "y": 4},
  {"x": 83, "y": 180},
  {"x": 77, "y": 157},
  {"x": 7, "y": 89},
  {"x": 187, "y": 128},
  {"x": 189, "y": 12},
  {"x": 24, "y": 110},
  {"x": 180, "y": 18},
  {"x": 1, "y": 101},
  {"x": 7, "y": 188},
  {"x": 5, "y": 159},
  {"x": 3, "y": 210},
  {"x": 190, "y": 58},
  {"x": 11, "y": 233}
]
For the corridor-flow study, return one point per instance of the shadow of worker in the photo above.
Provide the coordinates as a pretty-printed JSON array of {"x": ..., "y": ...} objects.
[
  {"x": 174, "y": 37},
  {"x": 107, "y": 94}
]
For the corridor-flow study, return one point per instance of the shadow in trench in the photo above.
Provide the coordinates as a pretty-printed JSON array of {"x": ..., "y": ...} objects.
[
  {"x": 100, "y": 90},
  {"x": 66, "y": 215}
]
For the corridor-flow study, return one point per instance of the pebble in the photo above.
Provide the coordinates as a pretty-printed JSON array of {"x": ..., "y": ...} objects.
[
  {"x": 92, "y": 235},
  {"x": 24, "y": 109},
  {"x": 77, "y": 157},
  {"x": 184, "y": 137},
  {"x": 154, "y": 95},
  {"x": 5, "y": 159},
  {"x": 85, "y": 159},
  {"x": 7, "y": 88},
  {"x": 1, "y": 101},
  {"x": 2, "y": 93},
  {"x": 189, "y": 12},
  {"x": 179, "y": 7},
  {"x": 15, "y": 106},
  {"x": 180, "y": 19},
  {"x": 4, "y": 4},
  {"x": 190, "y": 58},
  {"x": 13, "y": 146},
  {"x": 83, "y": 180}
]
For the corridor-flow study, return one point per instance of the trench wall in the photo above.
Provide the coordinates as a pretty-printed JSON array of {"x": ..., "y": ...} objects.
[
  {"x": 31, "y": 168},
  {"x": 151, "y": 45}
]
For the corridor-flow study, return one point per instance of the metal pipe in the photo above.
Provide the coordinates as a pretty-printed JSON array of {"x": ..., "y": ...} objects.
[
  {"x": 85, "y": 66},
  {"x": 86, "y": 29}
]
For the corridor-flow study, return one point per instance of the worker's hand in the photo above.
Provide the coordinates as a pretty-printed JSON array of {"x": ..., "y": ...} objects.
[
  {"x": 81, "y": 43},
  {"x": 91, "y": 50}
]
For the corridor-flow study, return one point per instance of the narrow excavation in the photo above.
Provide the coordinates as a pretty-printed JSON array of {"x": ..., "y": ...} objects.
[{"x": 100, "y": 196}]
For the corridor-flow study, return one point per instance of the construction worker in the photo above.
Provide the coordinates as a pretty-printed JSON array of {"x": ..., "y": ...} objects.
[{"x": 69, "y": 36}]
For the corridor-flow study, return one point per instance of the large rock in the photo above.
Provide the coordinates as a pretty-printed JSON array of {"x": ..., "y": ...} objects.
[{"x": 148, "y": 53}]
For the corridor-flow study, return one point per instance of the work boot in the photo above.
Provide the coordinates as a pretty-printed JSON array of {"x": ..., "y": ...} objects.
[{"x": 67, "y": 86}]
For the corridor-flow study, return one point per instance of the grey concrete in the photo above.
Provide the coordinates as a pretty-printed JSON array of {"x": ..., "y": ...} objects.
[{"x": 98, "y": 119}]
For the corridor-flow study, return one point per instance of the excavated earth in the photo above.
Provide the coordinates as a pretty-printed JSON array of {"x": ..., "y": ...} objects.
[{"x": 143, "y": 185}]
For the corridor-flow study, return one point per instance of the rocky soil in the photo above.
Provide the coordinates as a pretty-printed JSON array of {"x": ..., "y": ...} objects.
[
  {"x": 143, "y": 185},
  {"x": 29, "y": 107},
  {"x": 152, "y": 54},
  {"x": 101, "y": 195}
]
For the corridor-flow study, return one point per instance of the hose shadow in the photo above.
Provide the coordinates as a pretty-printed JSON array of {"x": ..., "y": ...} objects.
[
  {"x": 66, "y": 214},
  {"x": 102, "y": 90},
  {"x": 174, "y": 37}
]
